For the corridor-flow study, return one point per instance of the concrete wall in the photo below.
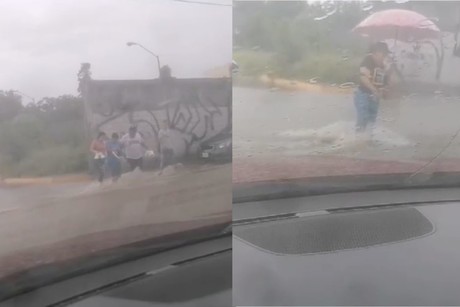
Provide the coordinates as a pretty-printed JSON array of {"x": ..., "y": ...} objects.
[
  {"x": 424, "y": 69},
  {"x": 197, "y": 109}
]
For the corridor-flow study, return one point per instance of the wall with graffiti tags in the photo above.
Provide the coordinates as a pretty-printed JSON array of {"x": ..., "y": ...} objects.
[{"x": 196, "y": 109}]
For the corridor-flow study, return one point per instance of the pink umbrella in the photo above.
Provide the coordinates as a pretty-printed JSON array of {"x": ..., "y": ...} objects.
[{"x": 403, "y": 25}]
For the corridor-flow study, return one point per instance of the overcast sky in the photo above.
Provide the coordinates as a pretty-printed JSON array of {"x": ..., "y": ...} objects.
[{"x": 43, "y": 42}]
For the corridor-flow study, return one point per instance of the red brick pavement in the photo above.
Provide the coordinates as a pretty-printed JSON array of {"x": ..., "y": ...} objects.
[{"x": 254, "y": 169}]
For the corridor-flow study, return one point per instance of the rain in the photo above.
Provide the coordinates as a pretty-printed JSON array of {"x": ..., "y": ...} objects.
[
  {"x": 330, "y": 8},
  {"x": 427, "y": 71},
  {"x": 367, "y": 6}
]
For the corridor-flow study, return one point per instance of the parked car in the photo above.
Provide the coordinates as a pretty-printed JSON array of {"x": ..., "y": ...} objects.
[
  {"x": 218, "y": 148},
  {"x": 234, "y": 67}
]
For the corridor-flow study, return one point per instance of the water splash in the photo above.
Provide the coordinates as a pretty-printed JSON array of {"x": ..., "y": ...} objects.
[
  {"x": 341, "y": 135},
  {"x": 331, "y": 9},
  {"x": 313, "y": 80},
  {"x": 347, "y": 85},
  {"x": 321, "y": 18},
  {"x": 367, "y": 6}
]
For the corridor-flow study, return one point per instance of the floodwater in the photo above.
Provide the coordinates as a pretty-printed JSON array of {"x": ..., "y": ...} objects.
[
  {"x": 45, "y": 214},
  {"x": 278, "y": 122}
]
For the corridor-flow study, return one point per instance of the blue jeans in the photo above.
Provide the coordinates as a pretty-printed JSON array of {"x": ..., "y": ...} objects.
[
  {"x": 367, "y": 107},
  {"x": 114, "y": 165}
]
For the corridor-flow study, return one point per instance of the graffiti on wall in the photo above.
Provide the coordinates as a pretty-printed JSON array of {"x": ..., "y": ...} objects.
[{"x": 196, "y": 109}]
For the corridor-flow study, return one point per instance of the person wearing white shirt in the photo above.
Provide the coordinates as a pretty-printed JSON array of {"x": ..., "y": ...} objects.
[
  {"x": 134, "y": 148},
  {"x": 166, "y": 148}
]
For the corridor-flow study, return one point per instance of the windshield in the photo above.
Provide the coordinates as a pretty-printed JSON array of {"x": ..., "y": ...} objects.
[
  {"x": 104, "y": 107},
  {"x": 346, "y": 93}
]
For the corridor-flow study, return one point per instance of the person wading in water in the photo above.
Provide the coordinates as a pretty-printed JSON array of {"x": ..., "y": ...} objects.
[
  {"x": 374, "y": 78},
  {"x": 99, "y": 149},
  {"x": 114, "y": 153},
  {"x": 134, "y": 147}
]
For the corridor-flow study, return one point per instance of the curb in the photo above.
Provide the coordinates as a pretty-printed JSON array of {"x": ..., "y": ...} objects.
[
  {"x": 249, "y": 171},
  {"x": 18, "y": 182},
  {"x": 294, "y": 85}
]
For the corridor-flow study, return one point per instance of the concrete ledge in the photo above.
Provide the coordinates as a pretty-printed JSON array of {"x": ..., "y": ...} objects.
[
  {"x": 17, "y": 182},
  {"x": 293, "y": 85}
]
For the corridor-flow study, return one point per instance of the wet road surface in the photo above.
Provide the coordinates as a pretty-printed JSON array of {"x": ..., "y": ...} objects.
[
  {"x": 32, "y": 218},
  {"x": 276, "y": 122}
]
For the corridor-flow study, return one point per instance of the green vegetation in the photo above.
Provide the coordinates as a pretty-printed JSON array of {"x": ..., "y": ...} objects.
[
  {"x": 46, "y": 138},
  {"x": 284, "y": 39},
  {"x": 329, "y": 68}
]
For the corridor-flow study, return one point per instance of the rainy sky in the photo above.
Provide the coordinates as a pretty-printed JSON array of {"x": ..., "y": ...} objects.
[{"x": 43, "y": 42}]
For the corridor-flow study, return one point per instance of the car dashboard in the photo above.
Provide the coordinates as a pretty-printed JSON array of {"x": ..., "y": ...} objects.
[
  {"x": 198, "y": 274},
  {"x": 361, "y": 249}
]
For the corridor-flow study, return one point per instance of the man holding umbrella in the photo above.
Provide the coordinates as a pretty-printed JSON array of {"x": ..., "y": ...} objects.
[
  {"x": 398, "y": 25},
  {"x": 373, "y": 78}
]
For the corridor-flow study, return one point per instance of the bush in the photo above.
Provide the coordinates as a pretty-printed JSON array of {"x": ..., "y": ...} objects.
[
  {"x": 52, "y": 161},
  {"x": 327, "y": 67},
  {"x": 44, "y": 139},
  {"x": 253, "y": 63}
]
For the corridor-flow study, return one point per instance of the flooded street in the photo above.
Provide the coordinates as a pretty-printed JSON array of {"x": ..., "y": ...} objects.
[
  {"x": 39, "y": 217},
  {"x": 300, "y": 123}
]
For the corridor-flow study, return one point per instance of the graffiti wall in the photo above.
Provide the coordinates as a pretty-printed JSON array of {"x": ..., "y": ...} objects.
[{"x": 196, "y": 109}]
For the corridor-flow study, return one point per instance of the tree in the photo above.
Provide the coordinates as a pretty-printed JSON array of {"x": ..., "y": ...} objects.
[
  {"x": 10, "y": 105},
  {"x": 44, "y": 138},
  {"x": 298, "y": 35}
]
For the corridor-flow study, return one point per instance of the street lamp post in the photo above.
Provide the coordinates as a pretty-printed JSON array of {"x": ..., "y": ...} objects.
[{"x": 129, "y": 44}]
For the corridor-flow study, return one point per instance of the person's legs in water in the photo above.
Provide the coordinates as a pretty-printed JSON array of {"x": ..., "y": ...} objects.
[
  {"x": 172, "y": 159},
  {"x": 168, "y": 159},
  {"x": 101, "y": 170},
  {"x": 132, "y": 164},
  {"x": 373, "y": 111},
  {"x": 99, "y": 163},
  {"x": 361, "y": 101},
  {"x": 116, "y": 173},
  {"x": 115, "y": 168},
  {"x": 136, "y": 163},
  {"x": 165, "y": 159},
  {"x": 140, "y": 164}
]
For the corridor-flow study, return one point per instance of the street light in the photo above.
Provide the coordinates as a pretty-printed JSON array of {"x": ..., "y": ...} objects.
[{"x": 129, "y": 44}]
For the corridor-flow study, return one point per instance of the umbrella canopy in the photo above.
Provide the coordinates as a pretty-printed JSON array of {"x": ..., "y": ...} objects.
[{"x": 403, "y": 25}]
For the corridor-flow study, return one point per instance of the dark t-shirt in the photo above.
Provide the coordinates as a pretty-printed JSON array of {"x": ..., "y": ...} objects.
[
  {"x": 114, "y": 147},
  {"x": 378, "y": 77}
]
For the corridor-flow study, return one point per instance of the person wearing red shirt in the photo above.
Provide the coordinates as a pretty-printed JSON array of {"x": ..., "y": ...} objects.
[{"x": 99, "y": 149}]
